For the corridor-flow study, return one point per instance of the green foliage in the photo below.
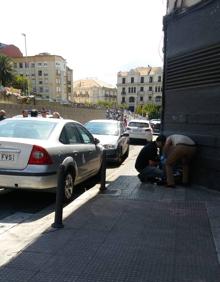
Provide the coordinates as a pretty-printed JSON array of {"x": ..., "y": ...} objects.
[
  {"x": 20, "y": 82},
  {"x": 6, "y": 71},
  {"x": 149, "y": 110},
  {"x": 106, "y": 104}
]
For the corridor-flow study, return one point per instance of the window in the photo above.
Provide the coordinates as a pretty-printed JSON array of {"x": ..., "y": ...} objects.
[
  {"x": 32, "y": 65},
  {"x": 40, "y": 72},
  {"x": 158, "y": 99},
  {"x": 123, "y": 100},
  {"x": 70, "y": 135},
  {"x": 150, "y": 88},
  {"x": 15, "y": 65},
  {"x": 142, "y": 89},
  {"x": 40, "y": 82},
  {"x": 21, "y": 65},
  {"x": 45, "y": 74},
  {"x": 86, "y": 136},
  {"x": 134, "y": 89},
  {"x": 123, "y": 80},
  {"x": 123, "y": 90},
  {"x": 39, "y": 64},
  {"x": 26, "y": 65},
  {"x": 142, "y": 79},
  {"x": 45, "y": 64},
  {"x": 155, "y": 88},
  {"x": 151, "y": 79},
  {"x": 41, "y": 89},
  {"x": 131, "y": 99},
  {"x": 141, "y": 99},
  {"x": 150, "y": 98},
  {"x": 159, "y": 78},
  {"x": 132, "y": 79}
]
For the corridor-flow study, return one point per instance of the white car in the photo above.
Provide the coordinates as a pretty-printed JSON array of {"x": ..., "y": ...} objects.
[
  {"x": 113, "y": 136},
  {"x": 140, "y": 129}
]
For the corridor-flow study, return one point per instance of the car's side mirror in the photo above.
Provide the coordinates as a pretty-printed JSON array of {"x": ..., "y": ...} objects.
[
  {"x": 96, "y": 141},
  {"x": 125, "y": 134}
]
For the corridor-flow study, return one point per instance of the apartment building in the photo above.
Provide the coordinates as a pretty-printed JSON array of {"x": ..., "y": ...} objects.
[
  {"x": 140, "y": 86},
  {"x": 93, "y": 90},
  {"x": 48, "y": 76}
]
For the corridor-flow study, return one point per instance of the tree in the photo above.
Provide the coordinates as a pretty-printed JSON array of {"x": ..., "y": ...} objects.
[
  {"x": 150, "y": 110},
  {"x": 6, "y": 70},
  {"x": 20, "y": 82}
]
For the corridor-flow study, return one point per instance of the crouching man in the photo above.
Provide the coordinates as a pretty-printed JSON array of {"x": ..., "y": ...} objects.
[{"x": 148, "y": 160}]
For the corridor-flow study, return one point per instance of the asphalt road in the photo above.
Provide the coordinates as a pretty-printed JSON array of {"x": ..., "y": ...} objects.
[{"x": 30, "y": 202}]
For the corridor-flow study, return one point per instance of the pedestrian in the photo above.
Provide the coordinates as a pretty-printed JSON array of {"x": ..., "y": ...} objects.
[
  {"x": 178, "y": 148},
  {"x": 2, "y": 115},
  {"x": 43, "y": 113},
  {"x": 34, "y": 113},
  {"x": 24, "y": 113},
  {"x": 56, "y": 115},
  {"x": 148, "y": 160}
]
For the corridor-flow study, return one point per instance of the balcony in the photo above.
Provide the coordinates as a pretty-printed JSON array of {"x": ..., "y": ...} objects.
[{"x": 123, "y": 93}]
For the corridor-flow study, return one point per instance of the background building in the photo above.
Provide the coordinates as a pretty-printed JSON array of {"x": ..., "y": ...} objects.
[
  {"x": 140, "y": 86},
  {"x": 93, "y": 90},
  {"x": 48, "y": 76},
  {"x": 10, "y": 50},
  {"x": 191, "y": 100}
]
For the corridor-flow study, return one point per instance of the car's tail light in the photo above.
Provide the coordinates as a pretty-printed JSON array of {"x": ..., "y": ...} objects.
[
  {"x": 39, "y": 156},
  {"x": 128, "y": 128}
]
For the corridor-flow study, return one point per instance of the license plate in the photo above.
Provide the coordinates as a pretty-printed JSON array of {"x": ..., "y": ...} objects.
[{"x": 10, "y": 157}]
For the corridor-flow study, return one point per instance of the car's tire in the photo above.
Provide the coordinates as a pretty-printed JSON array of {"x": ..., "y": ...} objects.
[
  {"x": 120, "y": 156},
  {"x": 68, "y": 185},
  {"x": 126, "y": 153}
]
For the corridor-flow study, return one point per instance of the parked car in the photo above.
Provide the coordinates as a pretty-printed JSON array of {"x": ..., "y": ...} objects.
[
  {"x": 32, "y": 149},
  {"x": 140, "y": 129},
  {"x": 155, "y": 125},
  {"x": 113, "y": 136}
]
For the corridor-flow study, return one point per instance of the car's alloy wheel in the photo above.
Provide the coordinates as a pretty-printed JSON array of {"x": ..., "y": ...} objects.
[{"x": 69, "y": 186}]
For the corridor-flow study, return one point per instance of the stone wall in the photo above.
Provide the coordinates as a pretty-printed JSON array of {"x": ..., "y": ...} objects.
[{"x": 80, "y": 114}]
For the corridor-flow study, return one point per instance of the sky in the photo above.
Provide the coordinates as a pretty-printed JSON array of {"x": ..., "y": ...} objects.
[{"x": 97, "y": 38}]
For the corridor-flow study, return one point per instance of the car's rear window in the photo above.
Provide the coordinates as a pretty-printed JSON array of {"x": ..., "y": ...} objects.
[
  {"x": 138, "y": 124},
  {"x": 32, "y": 129},
  {"x": 102, "y": 128}
]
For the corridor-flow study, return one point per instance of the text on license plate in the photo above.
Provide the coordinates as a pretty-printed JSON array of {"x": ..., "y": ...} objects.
[{"x": 7, "y": 157}]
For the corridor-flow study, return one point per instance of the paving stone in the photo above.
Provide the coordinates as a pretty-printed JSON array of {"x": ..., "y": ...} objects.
[{"x": 15, "y": 275}]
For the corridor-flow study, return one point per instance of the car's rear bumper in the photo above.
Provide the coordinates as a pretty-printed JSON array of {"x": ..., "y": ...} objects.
[
  {"x": 147, "y": 137},
  {"x": 33, "y": 182}
]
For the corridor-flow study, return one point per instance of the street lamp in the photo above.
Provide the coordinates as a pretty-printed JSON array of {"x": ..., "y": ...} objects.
[{"x": 27, "y": 72}]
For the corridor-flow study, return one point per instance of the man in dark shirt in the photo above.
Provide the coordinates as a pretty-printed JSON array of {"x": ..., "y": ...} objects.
[{"x": 148, "y": 159}]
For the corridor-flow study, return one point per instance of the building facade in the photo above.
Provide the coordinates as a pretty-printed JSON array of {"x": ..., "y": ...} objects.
[
  {"x": 140, "y": 86},
  {"x": 93, "y": 90},
  {"x": 191, "y": 94},
  {"x": 10, "y": 50},
  {"x": 48, "y": 76}
]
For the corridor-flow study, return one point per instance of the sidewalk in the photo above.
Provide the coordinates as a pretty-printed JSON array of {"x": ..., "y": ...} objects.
[{"x": 132, "y": 232}]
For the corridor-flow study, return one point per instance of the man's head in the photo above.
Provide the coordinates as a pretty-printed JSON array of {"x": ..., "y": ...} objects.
[
  {"x": 161, "y": 139},
  {"x": 25, "y": 113},
  {"x": 34, "y": 113},
  {"x": 2, "y": 113}
]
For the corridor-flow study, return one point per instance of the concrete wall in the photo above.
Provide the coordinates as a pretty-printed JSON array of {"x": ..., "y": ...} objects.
[{"x": 80, "y": 114}]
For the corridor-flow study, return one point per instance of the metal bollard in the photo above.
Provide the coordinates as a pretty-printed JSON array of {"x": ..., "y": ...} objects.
[
  {"x": 103, "y": 173},
  {"x": 59, "y": 198}
]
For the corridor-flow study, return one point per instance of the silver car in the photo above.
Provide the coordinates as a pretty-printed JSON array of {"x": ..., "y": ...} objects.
[
  {"x": 113, "y": 136},
  {"x": 140, "y": 129},
  {"x": 32, "y": 149}
]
